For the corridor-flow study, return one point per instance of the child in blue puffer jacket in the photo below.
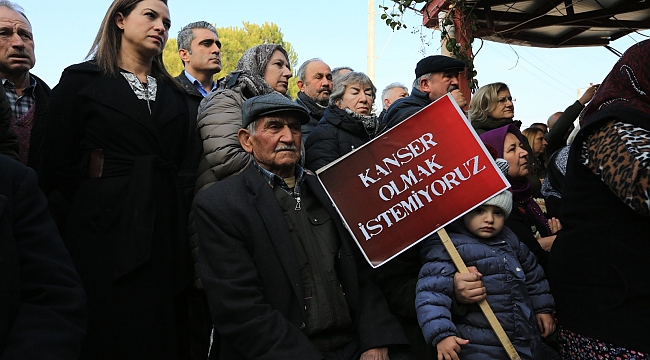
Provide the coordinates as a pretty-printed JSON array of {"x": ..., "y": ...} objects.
[{"x": 515, "y": 285}]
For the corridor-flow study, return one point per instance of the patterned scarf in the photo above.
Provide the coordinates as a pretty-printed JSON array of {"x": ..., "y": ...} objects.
[
  {"x": 369, "y": 122},
  {"x": 249, "y": 74},
  {"x": 626, "y": 87}
]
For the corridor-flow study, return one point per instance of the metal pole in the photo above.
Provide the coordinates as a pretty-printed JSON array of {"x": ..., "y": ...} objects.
[{"x": 371, "y": 40}]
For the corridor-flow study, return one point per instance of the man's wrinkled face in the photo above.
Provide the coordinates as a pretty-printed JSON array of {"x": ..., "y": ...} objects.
[
  {"x": 318, "y": 82},
  {"x": 16, "y": 43},
  {"x": 439, "y": 84},
  {"x": 275, "y": 144}
]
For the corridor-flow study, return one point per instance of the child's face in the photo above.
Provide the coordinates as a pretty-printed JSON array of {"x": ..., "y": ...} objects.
[{"x": 485, "y": 221}]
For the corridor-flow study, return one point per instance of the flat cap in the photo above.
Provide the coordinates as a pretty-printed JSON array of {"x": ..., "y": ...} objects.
[
  {"x": 437, "y": 63},
  {"x": 263, "y": 105}
]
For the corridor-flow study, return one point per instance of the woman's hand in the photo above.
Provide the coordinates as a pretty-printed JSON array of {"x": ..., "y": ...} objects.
[
  {"x": 375, "y": 354},
  {"x": 546, "y": 242},
  {"x": 449, "y": 347},
  {"x": 546, "y": 324},
  {"x": 468, "y": 287},
  {"x": 554, "y": 224}
]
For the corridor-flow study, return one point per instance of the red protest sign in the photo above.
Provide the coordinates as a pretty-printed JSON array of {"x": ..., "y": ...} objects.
[{"x": 411, "y": 181}]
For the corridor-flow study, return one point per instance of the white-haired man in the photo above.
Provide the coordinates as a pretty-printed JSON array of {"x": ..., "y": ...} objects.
[
  {"x": 283, "y": 276},
  {"x": 389, "y": 95}
]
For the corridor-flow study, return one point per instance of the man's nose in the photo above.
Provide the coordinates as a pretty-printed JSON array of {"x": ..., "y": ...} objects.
[
  {"x": 17, "y": 41},
  {"x": 286, "y": 135}
]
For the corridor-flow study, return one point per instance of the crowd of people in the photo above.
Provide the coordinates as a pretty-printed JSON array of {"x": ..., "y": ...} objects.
[{"x": 157, "y": 217}]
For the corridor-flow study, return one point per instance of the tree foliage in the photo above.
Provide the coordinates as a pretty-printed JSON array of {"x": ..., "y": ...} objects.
[
  {"x": 234, "y": 41},
  {"x": 454, "y": 9}
]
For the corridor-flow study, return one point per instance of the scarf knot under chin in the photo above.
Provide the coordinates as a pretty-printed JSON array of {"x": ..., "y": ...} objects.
[{"x": 369, "y": 122}]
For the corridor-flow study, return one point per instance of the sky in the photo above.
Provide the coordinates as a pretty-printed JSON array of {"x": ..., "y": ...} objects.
[{"x": 542, "y": 81}]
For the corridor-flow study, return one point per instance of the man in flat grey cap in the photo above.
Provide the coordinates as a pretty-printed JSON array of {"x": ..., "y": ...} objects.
[
  {"x": 283, "y": 278},
  {"x": 436, "y": 75}
]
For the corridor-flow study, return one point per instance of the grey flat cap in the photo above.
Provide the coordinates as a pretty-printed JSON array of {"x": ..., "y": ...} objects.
[{"x": 263, "y": 105}]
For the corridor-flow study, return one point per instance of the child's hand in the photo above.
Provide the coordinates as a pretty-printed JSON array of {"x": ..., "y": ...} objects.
[
  {"x": 545, "y": 323},
  {"x": 449, "y": 347}
]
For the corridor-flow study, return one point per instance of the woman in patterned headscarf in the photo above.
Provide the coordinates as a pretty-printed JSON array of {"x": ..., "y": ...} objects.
[
  {"x": 599, "y": 263},
  {"x": 262, "y": 69}
]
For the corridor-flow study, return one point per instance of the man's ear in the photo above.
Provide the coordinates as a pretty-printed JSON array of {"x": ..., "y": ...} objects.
[
  {"x": 245, "y": 140},
  {"x": 184, "y": 54},
  {"x": 386, "y": 103},
  {"x": 301, "y": 85},
  {"x": 424, "y": 85}
]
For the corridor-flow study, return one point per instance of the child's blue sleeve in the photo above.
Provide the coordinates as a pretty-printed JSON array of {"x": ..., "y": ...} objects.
[{"x": 434, "y": 290}]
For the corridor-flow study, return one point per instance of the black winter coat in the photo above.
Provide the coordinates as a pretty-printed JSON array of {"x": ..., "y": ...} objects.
[
  {"x": 404, "y": 108},
  {"x": 251, "y": 274},
  {"x": 126, "y": 227},
  {"x": 42, "y": 306},
  {"x": 336, "y": 134}
]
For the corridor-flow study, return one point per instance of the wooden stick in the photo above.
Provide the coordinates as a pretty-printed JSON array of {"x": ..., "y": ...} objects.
[{"x": 485, "y": 307}]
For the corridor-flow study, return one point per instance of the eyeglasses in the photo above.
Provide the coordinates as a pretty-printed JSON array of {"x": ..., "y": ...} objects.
[{"x": 503, "y": 100}]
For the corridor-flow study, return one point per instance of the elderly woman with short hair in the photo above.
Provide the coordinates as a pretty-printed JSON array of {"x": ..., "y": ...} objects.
[{"x": 348, "y": 121}]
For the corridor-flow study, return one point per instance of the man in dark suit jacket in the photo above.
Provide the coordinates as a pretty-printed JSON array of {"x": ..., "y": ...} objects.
[
  {"x": 200, "y": 51},
  {"x": 42, "y": 306},
  {"x": 283, "y": 277}
]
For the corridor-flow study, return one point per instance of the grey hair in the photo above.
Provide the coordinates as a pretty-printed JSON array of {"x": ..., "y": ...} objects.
[
  {"x": 336, "y": 70},
  {"x": 348, "y": 79},
  {"x": 252, "y": 126},
  {"x": 186, "y": 35},
  {"x": 418, "y": 81},
  {"x": 15, "y": 7},
  {"x": 485, "y": 101},
  {"x": 390, "y": 87},
  {"x": 303, "y": 69}
]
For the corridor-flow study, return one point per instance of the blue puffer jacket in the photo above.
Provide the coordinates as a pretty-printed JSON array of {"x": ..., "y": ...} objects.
[{"x": 516, "y": 291}]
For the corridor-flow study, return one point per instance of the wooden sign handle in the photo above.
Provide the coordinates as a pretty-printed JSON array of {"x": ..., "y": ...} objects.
[{"x": 485, "y": 307}]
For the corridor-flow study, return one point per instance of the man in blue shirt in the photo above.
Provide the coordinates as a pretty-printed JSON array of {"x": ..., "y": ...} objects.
[{"x": 200, "y": 50}]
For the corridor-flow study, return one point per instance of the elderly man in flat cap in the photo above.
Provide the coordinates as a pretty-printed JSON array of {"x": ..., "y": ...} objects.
[
  {"x": 436, "y": 75},
  {"x": 283, "y": 278}
]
